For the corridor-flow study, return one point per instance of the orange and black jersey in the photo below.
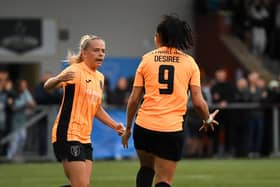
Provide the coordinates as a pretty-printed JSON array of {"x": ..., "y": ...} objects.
[
  {"x": 81, "y": 99},
  {"x": 165, "y": 74}
]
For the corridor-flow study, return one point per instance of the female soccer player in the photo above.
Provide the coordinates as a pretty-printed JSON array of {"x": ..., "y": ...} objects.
[
  {"x": 164, "y": 77},
  {"x": 83, "y": 86}
]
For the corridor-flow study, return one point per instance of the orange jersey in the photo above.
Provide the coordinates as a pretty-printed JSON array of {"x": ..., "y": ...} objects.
[
  {"x": 166, "y": 74},
  {"x": 81, "y": 99}
]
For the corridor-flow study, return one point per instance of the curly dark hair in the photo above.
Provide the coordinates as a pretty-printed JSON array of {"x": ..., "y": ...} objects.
[{"x": 175, "y": 32}]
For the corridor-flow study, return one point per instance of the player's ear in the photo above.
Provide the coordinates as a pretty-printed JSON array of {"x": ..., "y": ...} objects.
[{"x": 157, "y": 40}]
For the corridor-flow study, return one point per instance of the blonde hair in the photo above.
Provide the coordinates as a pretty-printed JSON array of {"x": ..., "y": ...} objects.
[{"x": 77, "y": 58}]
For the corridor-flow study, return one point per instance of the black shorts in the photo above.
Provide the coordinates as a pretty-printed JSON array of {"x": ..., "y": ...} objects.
[
  {"x": 72, "y": 151},
  {"x": 166, "y": 145}
]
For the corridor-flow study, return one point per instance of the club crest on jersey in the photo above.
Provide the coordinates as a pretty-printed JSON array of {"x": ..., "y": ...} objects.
[{"x": 75, "y": 150}]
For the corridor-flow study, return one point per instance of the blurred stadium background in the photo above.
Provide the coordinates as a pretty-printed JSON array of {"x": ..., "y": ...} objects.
[{"x": 237, "y": 49}]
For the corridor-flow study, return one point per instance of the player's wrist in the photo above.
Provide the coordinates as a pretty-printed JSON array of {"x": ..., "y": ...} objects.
[{"x": 128, "y": 128}]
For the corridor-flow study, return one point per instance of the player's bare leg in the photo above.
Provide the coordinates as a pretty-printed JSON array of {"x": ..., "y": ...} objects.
[
  {"x": 77, "y": 174},
  {"x": 165, "y": 170},
  {"x": 88, "y": 170},
  {"x": 146, "y": 172}
]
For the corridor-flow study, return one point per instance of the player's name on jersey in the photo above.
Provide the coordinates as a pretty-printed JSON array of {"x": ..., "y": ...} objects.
[{"x": 164, "y": 58}]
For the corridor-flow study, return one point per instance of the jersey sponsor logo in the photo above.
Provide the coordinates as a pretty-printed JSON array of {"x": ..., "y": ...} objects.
[
  {"x": 88, "y": 81},
  {"x": 75, "y": 150},
  {"x": 94, "y": 95}
]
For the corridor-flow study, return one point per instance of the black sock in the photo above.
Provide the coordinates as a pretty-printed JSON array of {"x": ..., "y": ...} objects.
[
  {"x": 67, "y": 185},
  {"x": 162, "y": 184},
  {"x": 145, "y": 177}
]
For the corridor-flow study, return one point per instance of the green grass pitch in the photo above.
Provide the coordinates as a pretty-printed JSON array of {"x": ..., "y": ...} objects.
[{"x": 190, "y": 173}]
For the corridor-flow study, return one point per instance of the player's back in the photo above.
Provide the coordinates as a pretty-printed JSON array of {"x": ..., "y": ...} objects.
[{"x": 167, "y": 73}]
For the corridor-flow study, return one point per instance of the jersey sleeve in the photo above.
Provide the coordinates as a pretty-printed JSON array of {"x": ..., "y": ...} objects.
[
  {"x": 195, "y": 78},
  {"x": 77, "y": 75},
  {"x": 139, "y": 78}
]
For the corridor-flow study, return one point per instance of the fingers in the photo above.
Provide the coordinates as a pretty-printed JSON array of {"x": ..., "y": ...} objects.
[
  {"x": 215, "y": 122},
  {"x": 201, "y": 128},
  {"x": 120, "y": 129},
  {"x": 126, "y": 145},
  {"x": 125, "y": 138},
  {"x": 125, "y": 142},
  {"x": 120, "y": 132},
  {"x": 215, "y": 113},
  {"x": 212, "y": 126}
]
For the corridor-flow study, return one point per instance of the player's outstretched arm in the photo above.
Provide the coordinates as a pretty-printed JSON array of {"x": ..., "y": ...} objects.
[
  {"x": 105, "y": 118},
  {"x": 54, "y": 82},
  {"x": 201, "y": 107}
]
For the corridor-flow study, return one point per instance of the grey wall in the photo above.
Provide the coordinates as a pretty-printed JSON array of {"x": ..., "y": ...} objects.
[{"x": 127, "y": 26}]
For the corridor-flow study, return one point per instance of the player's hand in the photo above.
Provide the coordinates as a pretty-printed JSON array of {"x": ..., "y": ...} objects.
[
  {"x": 125, "y": 138},
  {"x": 66, "y": 76},
  {"x": 210, "y": 122},
  {"x": 120, "y": 129}
]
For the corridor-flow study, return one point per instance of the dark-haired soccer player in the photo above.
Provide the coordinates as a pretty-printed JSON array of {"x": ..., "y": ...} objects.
[
  {"x": 83, "y": 87},
  {"x": 164, "y": 77}
]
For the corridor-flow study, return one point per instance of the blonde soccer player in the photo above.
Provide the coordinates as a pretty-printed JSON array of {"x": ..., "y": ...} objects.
[{"x": 83, "y": 87}]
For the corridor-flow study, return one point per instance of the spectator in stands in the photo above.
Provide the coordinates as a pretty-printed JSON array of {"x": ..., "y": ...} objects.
[
  {"x": 256, "y": 122},
  {"x": 4, "y": 105},
  {"x": 223, "y": 94},
  {"x": 2, "y": 109},
  {"x": 259, "y": 14},
  {"x": 206, "y": 84},
  {"x": 11, "y": 96},
  {"x": 242, "y": 95},
  {"x": 23, "y": 103},
  {"x": 273, "y": 92},
  {"x": 163, "y": 79},
  {"x": 241, "y": 21},
  {"x": 273, "y": 99},
  {"x": 119, "y": 96},
  {"x": 83, "y": 86},
  {"x": 270, "y": 6}
]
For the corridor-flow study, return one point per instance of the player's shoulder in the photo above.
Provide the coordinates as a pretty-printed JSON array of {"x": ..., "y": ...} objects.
[
  {"x": 150, "y": 53},
  {"x": 70, "y": 67},
  {"x": 188, "y": 58},
  {"x": 100, "y": 75},
  {"x": 185, "y": 55},
  {"x": 74, "y": 66}
]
